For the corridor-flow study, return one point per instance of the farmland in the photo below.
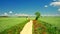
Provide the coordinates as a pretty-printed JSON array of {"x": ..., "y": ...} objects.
[
  {"x": 16, "y": 24},
  {"x": 47, "y": 25},
  {"x": 6, "y": 23},
  {"x": 53, "y": 20}
]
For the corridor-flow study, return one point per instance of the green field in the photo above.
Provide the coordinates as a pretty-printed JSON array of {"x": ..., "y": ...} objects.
[
  {"x": 52, "y": 20},
  {"x": 6, "y": 23},
  {"x": 16, "y": 24},
  {"x": 47, "y": 24}
]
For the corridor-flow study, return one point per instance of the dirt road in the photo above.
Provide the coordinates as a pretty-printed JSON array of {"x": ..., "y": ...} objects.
[{"x": 27, "y": 28}]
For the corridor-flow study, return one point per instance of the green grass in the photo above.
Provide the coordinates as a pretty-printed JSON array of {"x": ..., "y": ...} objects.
[
  {"x": 16, "y": 29},
  {"x": 17, "y": 24},
  {"x": 55, "y": 20},
  {"x": 50, "y": 23},
  {"x": 6, "y": 23}
]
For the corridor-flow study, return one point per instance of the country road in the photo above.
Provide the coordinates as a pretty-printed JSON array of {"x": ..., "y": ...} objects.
[{"x": 27, "y": 28}]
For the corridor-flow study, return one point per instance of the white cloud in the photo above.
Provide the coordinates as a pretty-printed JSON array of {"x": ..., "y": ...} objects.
[
  {"x": 51, "y": 15},
  {"x": 58, "y": 0},
  {"x": 5, "y": 14},
  {"x": 23, "y": 15},
  {"x": 59, "y": 9},
  {"x": 10, "y": 11},
  {"x": 55, "y": 4},
  {"x": 54, "y": 0},
  {"x": 45, "y": 6},
  {"x": 16, "y": 14}
]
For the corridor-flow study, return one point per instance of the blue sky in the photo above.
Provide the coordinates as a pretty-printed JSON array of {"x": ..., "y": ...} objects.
[{"x": 28, "y": 7}]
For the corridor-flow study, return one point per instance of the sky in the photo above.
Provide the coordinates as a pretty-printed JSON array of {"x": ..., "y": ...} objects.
[{"x": 19, "y": 7}]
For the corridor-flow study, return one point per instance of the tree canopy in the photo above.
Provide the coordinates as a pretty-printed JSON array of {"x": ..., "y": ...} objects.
[{"x": 37, "y": 15}]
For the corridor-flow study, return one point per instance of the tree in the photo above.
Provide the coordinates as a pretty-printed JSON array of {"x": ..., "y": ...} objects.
[{"x": 37, "y": 15}]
